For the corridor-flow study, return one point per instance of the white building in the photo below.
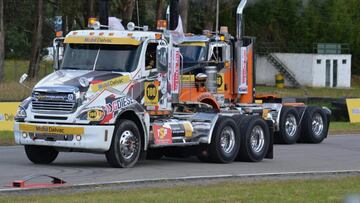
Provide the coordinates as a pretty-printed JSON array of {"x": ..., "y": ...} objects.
[{"x": 312, "y": 70}]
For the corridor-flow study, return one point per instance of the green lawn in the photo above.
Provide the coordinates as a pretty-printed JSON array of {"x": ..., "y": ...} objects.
[
  {"x": 6, "y": 138},
  {"x": 11, "y": 90},
  {"x": 315, "y": 92},
  {"x": 330, "y": 190},
  {"x": 344, "y": 127}
]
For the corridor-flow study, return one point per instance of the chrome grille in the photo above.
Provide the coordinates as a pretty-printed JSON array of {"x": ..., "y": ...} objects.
[{"x": 53, "y": 103}]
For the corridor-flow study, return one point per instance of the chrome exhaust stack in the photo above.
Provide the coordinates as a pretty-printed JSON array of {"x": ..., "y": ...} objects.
[{"x": 239, "y": 19}]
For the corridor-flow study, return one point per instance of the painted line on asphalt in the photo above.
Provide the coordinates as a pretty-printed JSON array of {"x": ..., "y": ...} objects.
[{"x": 190, "y": 178}]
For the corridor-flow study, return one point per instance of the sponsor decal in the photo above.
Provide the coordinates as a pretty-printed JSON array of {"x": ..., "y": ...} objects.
[
  {"x": 52, "y": 97},
  {"x": 220, "y": 82},
  {"x": 97, "y": 40},
  {"x": 151, "y": 94},
  {"x": 188, "y": 78},
  {"x": 243, "y": 86},
  {"x": 188, "y": 129},
  {"x": 181, "y": 129},
  {"x": 113, "y": 105},
  {"x": 101, "y": 40},
  {"x": 95, "y": 115},
  {"x": 353, "y": 106},
  {"x": 175, "y": 66},
  {"x": 7, "y": 114},
  {"x": 7, "y": 117},
  {"x": 162, "y": 135},
  {"x": 110, "y": 83},
  {"x": 118, "y": 103},
  {"x": 51, "y": 129}
]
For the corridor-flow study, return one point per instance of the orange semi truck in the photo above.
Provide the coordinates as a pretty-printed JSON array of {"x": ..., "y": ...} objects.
[{"x": 233, "y": 84}]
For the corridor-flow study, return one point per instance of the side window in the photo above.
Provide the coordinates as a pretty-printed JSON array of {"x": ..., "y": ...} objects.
[
  {"x": 217, "y": 54},
  {"x": 150, "y": 56}
]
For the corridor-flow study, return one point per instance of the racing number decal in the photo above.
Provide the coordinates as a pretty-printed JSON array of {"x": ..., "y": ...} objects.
[
  {"x": 151, "y": 94},
  {"x": 220, "y": 82}
]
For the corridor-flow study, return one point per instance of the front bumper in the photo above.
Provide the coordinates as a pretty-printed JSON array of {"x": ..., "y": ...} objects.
[{"x": 81, "y": 137}]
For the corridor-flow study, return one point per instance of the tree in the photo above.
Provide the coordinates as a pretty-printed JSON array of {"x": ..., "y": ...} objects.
[
  {"x": 125, "y": 8},
  {"x": 210, "y": 16},
  {"x": 2, "y": 41},
  {"x": 184, "y": 7},
  {"x": 36, "y": 40},
  {"x": 159, "y": 10}
]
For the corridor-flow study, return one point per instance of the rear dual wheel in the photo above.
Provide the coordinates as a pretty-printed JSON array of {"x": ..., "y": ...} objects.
[
  {"x": 289, "y": 126},
  {"x": 315, "y": 126},
  {"x": 255, "y": 138},
  {"x": 225, "y": 142}
]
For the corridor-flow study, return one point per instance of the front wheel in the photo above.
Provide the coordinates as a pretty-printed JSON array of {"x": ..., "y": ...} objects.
[
  {"x": 126, "y": 145},
  {"x": 41, "y": 154},
  {"x": 255, "y": 139}
]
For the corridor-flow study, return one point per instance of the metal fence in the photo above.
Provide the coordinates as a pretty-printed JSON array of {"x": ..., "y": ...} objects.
[{"x": 264, "y": 48}]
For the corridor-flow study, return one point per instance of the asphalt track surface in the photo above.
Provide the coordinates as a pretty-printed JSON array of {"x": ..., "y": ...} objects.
[{"x": 336, "y": 153}]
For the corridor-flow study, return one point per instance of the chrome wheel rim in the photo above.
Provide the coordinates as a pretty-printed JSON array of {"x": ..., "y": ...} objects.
[
  {"x": 290, "y": 125},
  {"x": 128, "y": 144},
  {"x": 317, "y": 124},
  {"x": 227, "y": 139},
  {"x": 257, "y": 139}
]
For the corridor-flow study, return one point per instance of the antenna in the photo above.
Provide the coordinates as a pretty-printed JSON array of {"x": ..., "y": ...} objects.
[
  {"x": 217, "y": 17},
  {"x": 137, "y": 12},
  {"x": 168, "y": 16}
]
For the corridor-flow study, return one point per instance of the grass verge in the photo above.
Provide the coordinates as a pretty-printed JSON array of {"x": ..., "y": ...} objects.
[
  {"x": 344, "y": 128},
  {"x": 11, "y": 90},
  {"x": 6, "y": 138},
  {"x": 311, "y": 92},
  {"x": 321, "y": 190}
]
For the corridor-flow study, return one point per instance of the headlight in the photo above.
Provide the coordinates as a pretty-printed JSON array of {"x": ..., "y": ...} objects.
[{"x": 20, "y": 114}]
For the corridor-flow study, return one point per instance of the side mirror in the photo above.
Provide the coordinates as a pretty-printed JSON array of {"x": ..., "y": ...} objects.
[
  {"x": 162, "y": 58},
  {"x": 58, "y": 47},
  {"x": 23, "y": 78}
]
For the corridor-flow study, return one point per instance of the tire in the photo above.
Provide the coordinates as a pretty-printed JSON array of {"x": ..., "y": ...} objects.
[
  {"x": 315, "y": 125},
  {"x": 126, "y": 145},
  {"x": 253, "y": 128},
  {"x": 41, "y": 154},
  {"x": 154, "y": 154},
  {"x": 289, "y": 126},
  {"x": 225, "y": 141}
]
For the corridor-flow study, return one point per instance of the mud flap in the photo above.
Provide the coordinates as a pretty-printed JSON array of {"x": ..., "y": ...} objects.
[
  {"x": 327, "y": 112},
  {"x": 270, "y": 152}
]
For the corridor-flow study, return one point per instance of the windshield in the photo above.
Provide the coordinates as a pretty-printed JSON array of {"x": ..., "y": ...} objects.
[
  {"x": 101, "y": 57},
  {"x": 192, "y": 54}
]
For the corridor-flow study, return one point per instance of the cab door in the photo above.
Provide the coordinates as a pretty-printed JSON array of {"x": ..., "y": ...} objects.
[{"x": 155, "y": 81}]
